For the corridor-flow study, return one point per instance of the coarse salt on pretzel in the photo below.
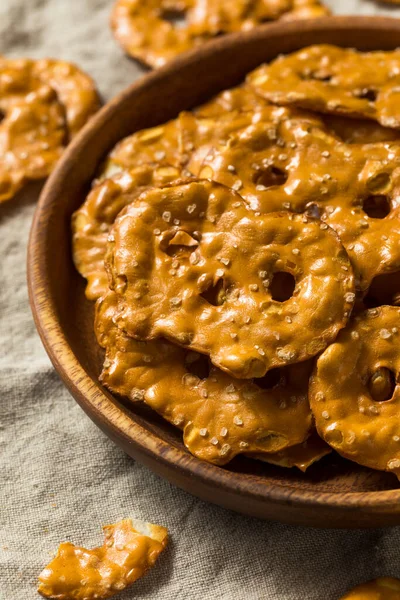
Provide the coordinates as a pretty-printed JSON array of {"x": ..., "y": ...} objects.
[
  {"x": 334, "y": 80},
  {"x": 383, "y": 588},
  {"x": 159, "y": 144},
  {"x": 241, "y": 98},
  {"x": 192, "y": 263},
  {"x": 92, "y": 222},
  {"x": 130, "y": 548},
  {"x": 301, "y": 456},
  {"x": 147, "y": 32},
  {"x": 289, "y": 160},
  {"x": 220, "y": 416},
  {"x": 354, "y": 394}
]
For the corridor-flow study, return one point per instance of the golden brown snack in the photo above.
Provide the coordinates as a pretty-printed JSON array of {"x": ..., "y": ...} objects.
[
  {"x": 288, "y": 160},
  {"x": 146, "y": 30},
  {"x": 160, "y": 144},
  {"x": 241, "y": 98},
  {"x": 301, "y": 456},
  {"x": 92, "y": 222},
  {"x": 130, "y": 548},
  {"x": 76, "y": 91},
  {"x": 334, "y": 80},
  {"x": 220, "y": 416},
  {"x": 41, "y": 102},
  {"x": 383, "y": 588},
  {"x": 191, "y": 263},
  {"x": 354, "y": 394}
]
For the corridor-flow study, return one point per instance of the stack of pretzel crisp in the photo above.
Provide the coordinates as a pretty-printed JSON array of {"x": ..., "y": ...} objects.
[{"x": 245, "y": 263}]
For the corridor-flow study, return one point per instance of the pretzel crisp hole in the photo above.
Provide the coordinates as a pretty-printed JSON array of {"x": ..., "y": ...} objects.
[
  {"x": 381, "y": 384},
  {"x": 367, "y": 94},
  {"x": 215, "y": 294},
  {"x": 2, "y": 116},
  {"x": 270, "y": 380},
  {"x": 316, "y": 75},
  {"x": 175, "y": 17},
  {"x": 198, "y": 365},
  {"x": 384, "y": 290},
  {"x": 282, "y": 286},
  {"x": 377, "y": 207},
  {"x": 270, "y": 177}
]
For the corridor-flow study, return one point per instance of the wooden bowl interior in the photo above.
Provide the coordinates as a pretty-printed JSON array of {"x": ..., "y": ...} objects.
[{"x": 160, "y": 97}]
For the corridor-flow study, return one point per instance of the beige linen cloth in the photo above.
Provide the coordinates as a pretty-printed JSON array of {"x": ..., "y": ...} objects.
[{"x": 61, "y": 478}]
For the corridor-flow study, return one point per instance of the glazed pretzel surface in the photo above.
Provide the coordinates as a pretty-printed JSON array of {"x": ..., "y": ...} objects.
[
  {"x": 219, "y": 415},
  {"x": 383, "y": 588},
  {"x": 177, "y": 245},
  {"x": 130, "y": 548},
  {"x": 147, "y": 32},
  {"x": 92, "y": 222},
  {"x": 354, "y": 394},
  {"x": 42, "y": 103},
  {"x": 334, "y": 80}
]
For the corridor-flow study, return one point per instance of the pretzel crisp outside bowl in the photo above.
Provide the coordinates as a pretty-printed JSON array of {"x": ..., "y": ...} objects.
[
  {"x": 333, "y": 80},
  {"x": 42, "y": 103},
  {"x": 187, "y": 262},
  {"x": 146, "y": 31},
  {"x": 130, "y": 548},
  {"x": 354, "y": 394},
  {"x": 220, "y": 416},
  {"x": 383, "y": 588}
]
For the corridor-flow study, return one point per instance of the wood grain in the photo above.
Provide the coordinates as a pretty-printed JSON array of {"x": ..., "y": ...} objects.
[{"x": 334, "y": 493}]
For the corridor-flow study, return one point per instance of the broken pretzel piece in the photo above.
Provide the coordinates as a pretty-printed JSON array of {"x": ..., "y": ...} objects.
[{"x": 130, "y": 548}]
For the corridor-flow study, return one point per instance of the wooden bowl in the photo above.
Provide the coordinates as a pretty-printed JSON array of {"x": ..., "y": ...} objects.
[{"x": 334, "y": 492}]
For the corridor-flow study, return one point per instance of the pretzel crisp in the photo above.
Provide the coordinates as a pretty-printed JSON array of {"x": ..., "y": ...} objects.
[
  {"x": 383, "y": 588},
  {"x": 353, "y": 394},
  {"x": 289, "y": 160},
  {"x": 241, "y": 98},
  {"x": 91, "y": 224},
  {"x": 191, "y": 263},
  {"x": 220, "y": 416},
  {"x": 301, "y": 456},
  {"x": 130, "y": 548},
  {"x": 76, "y": 91},
  {"x": 147, "y": 32},
  {"x": 334, "y": 80},
  {"x": 36, "y": 122}
]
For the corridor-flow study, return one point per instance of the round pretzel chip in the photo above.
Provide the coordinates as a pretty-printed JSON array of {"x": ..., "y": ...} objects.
[
  {"x": 383, "y": 588},
  {"x": 92, "y": 222},
  {"x": 34, "y": 120},
  {"x": 190, "y": 262},
  {"x": 130, "y": 549},
  {"x": 150, "y": 31},
  {"x": 354, "y": 394},
  {"x": 76, "y": 91},
  {"x": 220, "y": 416},
  {"x": 334, "y": 80}
]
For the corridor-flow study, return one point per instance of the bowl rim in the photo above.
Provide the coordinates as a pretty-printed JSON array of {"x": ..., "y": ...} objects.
[{"x": 89, "y": 393}]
